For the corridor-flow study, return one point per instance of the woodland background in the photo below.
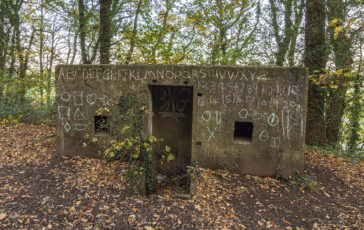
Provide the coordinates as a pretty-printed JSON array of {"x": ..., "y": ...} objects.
[{"x": 325, "y": 36}]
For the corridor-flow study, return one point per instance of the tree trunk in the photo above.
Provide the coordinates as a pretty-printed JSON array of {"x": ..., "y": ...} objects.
[
  {"x": 343, "y": 60},
  {"x": 315, "y": 58},
  {"x": 41, "y": 44},
  {"x": 74, "y": 48},
  {"x": 298, "y": 9},
  {"x": 2, "y": 48},
  {"x": 287, "y": 41},
  {"x": 282, "y": 43},
  {"x": 105, "y": 33},
  {"x": 133, "y": 35},
  {"x": 82, "y": 27},
  {"x": 23, "y": 55},
  {"x": 356, "y": 109},
  {"x": 162, "y": 31},
  {"x": 51, "y": 59}
]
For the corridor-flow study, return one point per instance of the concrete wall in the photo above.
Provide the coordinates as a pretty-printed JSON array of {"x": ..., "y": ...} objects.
[{"x": 266, "y": 106}]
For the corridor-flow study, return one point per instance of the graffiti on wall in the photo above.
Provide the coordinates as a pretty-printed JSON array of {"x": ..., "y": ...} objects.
[
  {"x": 276, "y": 106},
  {"x": 71, "y": 109},
  {"x": 171, "y": 102}
]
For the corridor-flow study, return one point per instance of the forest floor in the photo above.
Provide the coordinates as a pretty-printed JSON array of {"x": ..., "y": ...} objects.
[{"x": 41, "y": 191}]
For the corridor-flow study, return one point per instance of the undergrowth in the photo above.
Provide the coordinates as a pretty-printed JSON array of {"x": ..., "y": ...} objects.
[
  {"x": 27, "y": 112},
  {"x": 303, "y": 181},
  {"x": 131, "y": 146},
  {"x": 356, "y": 154}
]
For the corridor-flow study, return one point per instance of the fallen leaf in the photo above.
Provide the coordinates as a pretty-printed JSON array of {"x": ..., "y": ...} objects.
[{"x": 2, "y": 215}]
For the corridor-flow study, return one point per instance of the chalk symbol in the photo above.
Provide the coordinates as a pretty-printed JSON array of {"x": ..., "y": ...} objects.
[
  {"x": 204, "y": 114},
  {"x": 218, "y": 117},
  {"x": 67, "y": 127},
  {"x": 80, "y": 127},
  {"x": 243, "y": 113},
  {"x": 105, "y": 100},
  {"x": 91, "y": 99},
  {"x": 264, "y": 136},
  {"x": 77, "y": 98},
  {"x": 275, "y": 142},
  {"x": 78, "y": 116},
  {"x": 64, "y": 112},
  {"x": 211, "y": 134},
  {"x": 65, "y": 96},
  {"x": 256, "y": 116},
  {"x": 273, "y": 119}
]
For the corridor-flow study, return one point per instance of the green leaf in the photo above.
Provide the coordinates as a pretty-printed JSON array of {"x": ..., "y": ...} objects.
[
  {"x": 333, "y": 22},
  {"x": 152, "y": 139},
  {"x": 125, "y": 129},
  {"x": 170, "y": 157}
]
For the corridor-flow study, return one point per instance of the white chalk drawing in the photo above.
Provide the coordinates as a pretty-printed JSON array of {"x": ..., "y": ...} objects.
[
  {"x": 123, "y": 74},
  {"x": 64, "y": 112},
  {"x": 201, "y": 101},
  {"x": 105, "y": 100},
  {"x": 292, "y": 119},
  {"x": 285, "y": 123},
  {"x": 266, "y": 91},
  {"x": 67, "y": 127},
  {"x": 78, "y": 115},
  {"x": 273, "y": 120},
  {"x": 243, "y": 113},
  {"x": 275, "y": 142},
  {"x": 64, "y": 121},
  {"x": 80, "y": 127},
  {"x": 264, "y": 136},
  {"x": 202, "y": 85},
  {"x": 293, "y": 89},
  {"x": 263, "y": 103},
  {"x": 206, "y": 116},
  {"x": 301, "y": 118},
  {"x": 256, "y": 116},
  {"x": 293, "y": 104},
  {"x": 211, "y": 134},
  {"x": 252, "y": 100},
  {"x": 213, "y": 100},
  {"x": 174, "y": 116},
  {"x": 237, "y": 99},
  {"x": 263, "y": 115},
  {"x": 91, "y": 98},
  {"x": 274, "y": 103},
  {"x": 218, "y": 117},
  {"x": 65, "y": 96},
  {"x": 77, "y": 98}
]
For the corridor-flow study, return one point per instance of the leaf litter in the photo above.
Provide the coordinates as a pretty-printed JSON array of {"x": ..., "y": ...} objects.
[{"x": 39, "y": 190}]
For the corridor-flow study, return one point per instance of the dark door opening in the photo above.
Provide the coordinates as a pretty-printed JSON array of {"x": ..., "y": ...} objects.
[
  {"x": 172, "y": 121},
  {"x": 243, "y": 132}
]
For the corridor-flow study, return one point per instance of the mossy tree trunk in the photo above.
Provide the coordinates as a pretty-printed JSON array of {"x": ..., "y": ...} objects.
[
  {"x": 286, "y": 41},
  {"x": 315, "y": 58},
  {"x": 83, "y": 19},
  {"x": 105, "y": 31},
  {"x": 134, "y": 33},
  {"x": 341, "y": 45},
  {"x": 356, "y": 110}
]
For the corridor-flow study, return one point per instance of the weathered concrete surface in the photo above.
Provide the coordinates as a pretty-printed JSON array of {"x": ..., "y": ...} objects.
[{"x": 202, "y": 112}]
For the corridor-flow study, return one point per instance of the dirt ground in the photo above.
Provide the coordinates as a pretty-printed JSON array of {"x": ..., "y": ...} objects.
[{"x": 41, "y": 191}]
